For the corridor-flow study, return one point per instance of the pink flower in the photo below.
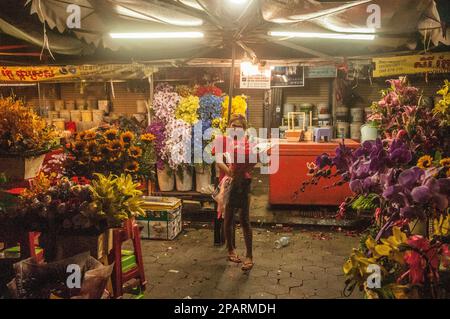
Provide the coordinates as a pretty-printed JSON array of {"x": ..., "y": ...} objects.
[
  {"x": 378, "y": 213},
  {"x": 446, "y": 256}
]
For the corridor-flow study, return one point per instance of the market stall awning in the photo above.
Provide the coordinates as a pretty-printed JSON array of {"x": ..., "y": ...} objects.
[{"x": 404, "y": 25}]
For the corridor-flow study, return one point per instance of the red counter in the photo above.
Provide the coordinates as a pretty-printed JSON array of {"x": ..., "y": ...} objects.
[{"x": 292, "y": 172}]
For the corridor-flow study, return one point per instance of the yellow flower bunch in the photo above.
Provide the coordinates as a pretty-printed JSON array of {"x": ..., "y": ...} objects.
[
  {"x": 425, "y": 162},
  {"x": 443, "y": 105},
  {"x": 148, "y": 137},
  {"x": 109, "y": 151},
  {"x": 238, "y": 106},
  {"x": 356, "y": 267},
  {"x": 187, "y": 109},
  {"x": 441, "y": 226},
  {"x": 22, "y": 130}
]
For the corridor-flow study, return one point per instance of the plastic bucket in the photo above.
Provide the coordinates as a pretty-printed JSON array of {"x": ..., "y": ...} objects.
[
  {"x": 75, "y": 116},
  {"x": 342, "y": 129},
  {"x": 53, "y": 114},
  {"x": 357, "y": 115},
  {"x": 184, "y": 180},
  {"x": 86, "y": 116},
  {"x": 355, "y": 131},
  {"x": 202, "y": 178},
  {"x": 59, "y": 105},
  {"x": 166, "y": 180},
  {"x": 103, "y": 105},
  {"x": 59, "y": 124},
  {"x": 368, "y": 133},
  {"x": 65, "y": 114},
  {"x": 91, "y": 104},
  {"x": 70, "y": 105},
  {"x": 97, "y": 116},
  {"x": 81, "y": 104},
  {"x": 322, "y": 108}
]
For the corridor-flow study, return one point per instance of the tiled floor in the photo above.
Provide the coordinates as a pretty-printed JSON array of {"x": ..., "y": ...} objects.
[{"x": 190, "y": 266}]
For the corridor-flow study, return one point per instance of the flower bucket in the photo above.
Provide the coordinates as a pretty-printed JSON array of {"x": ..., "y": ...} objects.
[
  {"x": 368, "y": 133},
  {"x": 20, "y": 168},
  {"x": 202, "y": 178},
  {"x": 166, "y": 181},
  {"x": 184, "y": 180}
]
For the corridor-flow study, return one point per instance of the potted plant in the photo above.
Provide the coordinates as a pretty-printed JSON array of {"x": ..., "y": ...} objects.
[
  {"x": 369, "y": 131},
  {"x": 25, "y": 138}
]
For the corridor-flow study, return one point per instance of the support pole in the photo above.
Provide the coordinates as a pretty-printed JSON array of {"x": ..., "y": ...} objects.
[{"x": 231, "y": 88}]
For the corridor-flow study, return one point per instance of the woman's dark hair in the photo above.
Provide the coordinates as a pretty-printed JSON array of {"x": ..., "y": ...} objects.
[{"x": 240, "y": 119}]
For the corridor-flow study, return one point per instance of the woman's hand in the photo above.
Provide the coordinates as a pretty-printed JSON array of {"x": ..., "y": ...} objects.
[
  {"x": 224, "y": 168},
  {"x": 229, "y": 172}
]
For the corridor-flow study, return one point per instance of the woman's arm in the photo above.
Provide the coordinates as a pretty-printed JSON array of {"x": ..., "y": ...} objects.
[{"x": 224, "y": 168}]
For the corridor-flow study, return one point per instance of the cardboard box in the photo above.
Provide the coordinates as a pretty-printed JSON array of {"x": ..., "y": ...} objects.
[{"x": 161, "y": 224}]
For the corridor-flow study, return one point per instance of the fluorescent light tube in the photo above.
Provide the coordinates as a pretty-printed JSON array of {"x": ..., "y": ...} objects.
[
  {"x": 18, "y": 84},
  {"x": 156, "y": 35},
  {"x": 312, "y": 35}
]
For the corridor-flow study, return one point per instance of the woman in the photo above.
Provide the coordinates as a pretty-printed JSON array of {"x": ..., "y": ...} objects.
[{"x": 240, "y": 188}]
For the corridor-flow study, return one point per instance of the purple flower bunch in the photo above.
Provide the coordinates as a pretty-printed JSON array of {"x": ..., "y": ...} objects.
[
  {"x": 413, "y": 192},
  {"x": 158, "y": 129},
  {"x": 177, "y": 148},
  {"x": 401, "y": 115},
  {"x": 164, "y": 105},
  {"x": 164, "y": 87},
  {"x": 386, "y": 169}
]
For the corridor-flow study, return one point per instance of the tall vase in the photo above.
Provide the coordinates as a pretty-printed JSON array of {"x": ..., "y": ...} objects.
[
  {"x": 202, "y": 178},
  {"x": 184, "y": 179},
  {"x": 166, "y": 180}
]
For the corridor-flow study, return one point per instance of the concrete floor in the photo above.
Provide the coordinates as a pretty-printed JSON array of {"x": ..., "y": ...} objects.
[{"x": 190, "y": 266}]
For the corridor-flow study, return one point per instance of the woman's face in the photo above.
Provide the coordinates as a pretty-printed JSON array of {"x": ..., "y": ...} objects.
[{"x": 236, "y": 124}]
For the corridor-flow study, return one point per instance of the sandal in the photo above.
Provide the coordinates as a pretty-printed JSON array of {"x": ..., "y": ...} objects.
[
  {"x": 234, "y": 258},
  {"x": 247, "y": 265}
]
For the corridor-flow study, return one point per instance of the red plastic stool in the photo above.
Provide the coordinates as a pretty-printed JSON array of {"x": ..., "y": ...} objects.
[
  {"x": 25, "y": 246},
  {"x": 35, "y": 251},
  {"x": 124, "y": 270}
]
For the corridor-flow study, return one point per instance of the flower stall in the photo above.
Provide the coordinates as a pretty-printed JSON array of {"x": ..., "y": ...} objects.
[
  {"x": 182, "y": 116},
  {"x": 402, "y": 179}
]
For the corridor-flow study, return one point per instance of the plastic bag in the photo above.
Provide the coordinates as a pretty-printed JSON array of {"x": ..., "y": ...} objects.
[{"x": 222, "y": 195}]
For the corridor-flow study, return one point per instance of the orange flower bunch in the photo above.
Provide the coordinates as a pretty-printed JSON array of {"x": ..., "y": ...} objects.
[{"x": 22, "y": 131}]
